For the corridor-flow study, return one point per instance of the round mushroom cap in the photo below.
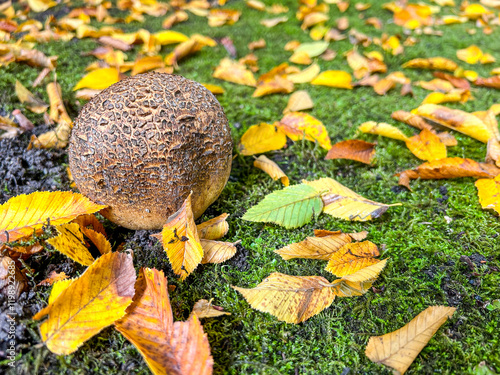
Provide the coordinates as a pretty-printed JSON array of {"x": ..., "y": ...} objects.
[{"x": 143, "y": 144}]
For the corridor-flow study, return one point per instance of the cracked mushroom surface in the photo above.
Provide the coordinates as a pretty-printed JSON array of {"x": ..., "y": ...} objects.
[{"x": 144, "y": 143}]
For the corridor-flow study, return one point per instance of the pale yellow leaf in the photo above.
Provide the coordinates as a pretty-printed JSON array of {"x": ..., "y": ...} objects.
[
  {"x": 298, "y": 101},
  {"x": 213, "y": 229},
  {"x": 204, "y": 309},
  {"x": 369, "y": 273},
  {"x": 315, "y": 247},
  {"x": 217, "y": 251},
  {"x": 271, "y": 168}
]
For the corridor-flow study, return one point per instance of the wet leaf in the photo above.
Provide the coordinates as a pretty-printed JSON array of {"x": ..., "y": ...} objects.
[
  {"x": 427, "y": 146},
  {"x": 271, "y": 168},
  {"x": 213, "y": 229},
  {"x": 217, "y": 251},
  {"x": 32, "y": 102},
  {"x": 299, "y": 125},
  {"x": 262, "y": 138},
  {"x": 340, "y": 201},
  {"x": 489, "y": 193},
  {"x": 181, "y": 241},
  {"x": 70, "y": 242},
  {"x": 399, "y": 349},
  {"x": 352, "y": 257},
  {"x": 353, "y": 149},
  {"x": 103, "y": 293},
  {"x": 291, "y": 207},
  {"x": 315, "y": 247},
  {"x": 204, "y": 309},
  {"x": 22, "y": 215},
  {"x": 334, "y": 78},
  {"x": 298, "y": 101},
  {"x": 233, "y": 71}
]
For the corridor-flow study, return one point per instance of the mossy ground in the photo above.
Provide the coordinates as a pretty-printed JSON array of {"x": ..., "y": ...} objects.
[{"x": 439, "y": 222}]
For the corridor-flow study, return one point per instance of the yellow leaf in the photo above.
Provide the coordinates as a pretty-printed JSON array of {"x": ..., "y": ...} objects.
[
  {"x": 70, "y": 243},
  {"x": 214, "y": 89},
  {"x": 213, "y": 229},
  {"x": 271, "y": 168},
  {"x": 98, "y": 240},
  {"x": 298, "y": 101},
  {"x": 306, "y": 75},
  {"x": 474, "y": 11},
  {"x": 340, "y": 201},
  {"x": 167, "y": 347},
  {"x": 432, "y": 63},
  {"x": 471, "y": 54},
  {"x": 22, "y": 215},
  {"x": 204, "y": 309},
  {"x": 57, "y": 110},
  {"x": 57, "y": 138},
  {"x": 315, "y": 247},
  {"x": 300, "y": 57},
  {"x": 169, "y": 37},
  {"x": 292, "y": 299},
  {"x": 261, "y": 138},
  {"x": 352, "y": 257},
  {"x": 271, "y": 22},
  {"x": 383, "y": 86},
  {"x": 455, "y": 95},
  {"x": 383, "y": 129},
  {"x": 299, "y": 125},
  {"x": 89, "y": 221},
  {"x": 41, "y": 5},
  {"x": 274, "y": 81},
  {"x": 399, "y": 349},
  {"x": 427, "y": 146},
  {"x": 181, "y": 242},
  {"x": 33, "y": 103},
  {"x": 233, "y": 71},
  {"x": 366, "y": 274},
  {"x": 99, "y": 79},
  {"x": 147, "y": 63},
  {"x": 456, "y": 119},
  {"x": 489, "y": 193},
  {"x": 104, "y": 291},
  {"x": 334, "y": 78},
  {"x": 217, "y": 251}
]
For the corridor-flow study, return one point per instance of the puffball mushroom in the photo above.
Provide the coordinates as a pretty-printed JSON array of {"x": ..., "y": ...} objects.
[{"x": 143, "y": 144}]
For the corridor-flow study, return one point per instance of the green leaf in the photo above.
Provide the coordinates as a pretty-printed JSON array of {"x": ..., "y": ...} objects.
[{"x": 291, "y": 207}]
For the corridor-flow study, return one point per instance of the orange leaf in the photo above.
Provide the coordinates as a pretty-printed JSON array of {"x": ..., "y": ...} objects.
[
  {"x": 98, "y": 240},
  {"x": 70, "y": 243},
  {"x": 352, "y": 257},
  {"x": 181, "y": 241},
  {"x": 448, "y": 168},
  {"x": 22, "y": 215},
  {"x": 493, "y": 82},
  {"x": 399, "y": 349},
  {"x": 103, "y": 293},
  {"x": 383, "y": 86},
  {"x": 89, "y": 222},
  {"x": 298, "y": 125},
  {"x": 147, "y": 63},
  {"x": 354, "y": 149},
  {"x": 426, "y": 146},
  {"x": 52, "y": 278},
  {"x": 262, "y": 138},
  {"x": 274, "y": 81},
  {"x": 217, "y": 251},
  {"x": 271, "y": 168},
  {"x": 298, "y": 101},
  {"x": 459, "y": 83},
  {"x": 334, "y": 78},
  {"x": 432, "y": 63},
  {"x": 232, "y": 71},
  {"x": 213, "y": 229},
  {"x": 489, "y": 193}
]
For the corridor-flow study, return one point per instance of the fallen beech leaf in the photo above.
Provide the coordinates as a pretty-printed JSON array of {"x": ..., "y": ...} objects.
[
  {"x": 271, "y": 22},
  {"x": 455, "y": 95},
  {"x": 58, "y": 112},
  {"x": 271, "y": 168},
  {"x": 217, "y": 251},
  {"x": 459, "y": 83},
  {"x": 436, "y": 84},
  {"x": 220, "y": 17},
  {"x": 352, "y": 257},
  {"x": 413, "y": 16},
  {"x": 292, "y": 299},
  {"x": 105, "y": 290},
  {"x": 204, "y": 309},
  {"x": 427, "y": 146},
  {"x": 306, "y": 75},
  {"x": 291, "y": 207},
  {"x": 57, "y": 138},
  {"x": 313, "y": 49},
  {"x": 52, "y": 278},
  {"x": 169, "y": 37},
  {"x": 261, "y": 138},
  {"x": 314, "y": 18},
  {"x": 274, "y": 81},
  {"x": 33, "y": 103},
  {"x": 383, "y": 129},
  {"x": 489, "y": 193},
  {"x": 213, "y": 229},
  {"x": 41, "y": 5},
  {"x": 315, "y": 247},
  {"x": 98, "y": 79},
  {"x": 189, "y": 47},
  {"x": 432, "y": 63},
  {"x": 300, "y": 57},
  {"x": 256, "y": 4},
  {"x": 455, "y": 119},
  {"x": 366, "y": 274},
  {"x": 334, "y": 78},
  {"x": 214, "y": 89},
  {"x": 493, "y": 82},
  {"x": 12, "y": 281},
  {"x": 489, "y": 119},
  {"x": 392, "y": 44},
  {"x": 173, "y": 19},
  {"x": 22, "y": 215},
  {"x": 360, "y": 236},
  {"x": 473, "y": 55},
  {"x": 70, "y": 243},
  {"x": 340, "y": 201},
  {"x": 298, "y": 101},
  {"x": 258, "y": 44},
  {"x": 475, "y": 11},
  {"x": 383, "y": 86},
  {"x": 98, "y": 240},
  {"x": 399, "y": 349},
  {"x": 89, "y": 221},
  {"x": 299, "y": 125},
  {"x": 233, "y": 71},
  {"x": 353, "y": 149},
  {"x": 448, "y": 168},
  {"x": 167, "y": 347},
  {"x": 181, "y": 241},
  {"x": 147, "y": 63},
  {"x": 22, "y": 120}
]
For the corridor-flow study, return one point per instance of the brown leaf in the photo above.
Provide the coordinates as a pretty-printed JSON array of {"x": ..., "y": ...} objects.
[
  {"x": 257, "y": 44},
  {"x": 354, "y": 149},
  {"x": 12, "y": 280},
  {"x": 52, "y": 278},
  {"x": 204, "y": 309},
  {"x": 399, "y": 349}
]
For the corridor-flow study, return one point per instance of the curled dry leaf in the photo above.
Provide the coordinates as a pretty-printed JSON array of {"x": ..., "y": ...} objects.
[
  {"x": 298, "y": 101},
  {"x": 489, "y": 193},
  {"x": 70, "y": 243},
  {"x": 271, "y": 168},
  {"x": 427, "y": 146},
  {"x": 334, "y": 78},
  {"x": 319, "y": 247},
  {"x": 262, "y": 138},
  {"x": 32, "y": 102},
  {"x": 217, "y": 251},
  {"x": 432, "y": 63},
  {"x": 448, "y": 168},
  {"x": 352, "y": 257},
  {"x": 399, "y": 349},
  {"x": 12, "y": 281},
  {"x": 359, "y": 236},
  {"x": 103, "y": 293},
  {"x": 52, "y": 278},
  {"x": 204, "y": 309},
  {"x": 340, "y": 201},
  {"x": 456, "y": 119},
  {"x": 299, "y": 125},
  {"x": 383, "y": 129},
  {"x": 181, "y": 241},
  {"x": 213, "y": 229},
  {"x": 89, "y": 221},
  {"x": 353, "y": 149},
  {"x": 22, "y": 215},
  {"x": 233, "y": 71},
  {"x": 98, "y": 239}
]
